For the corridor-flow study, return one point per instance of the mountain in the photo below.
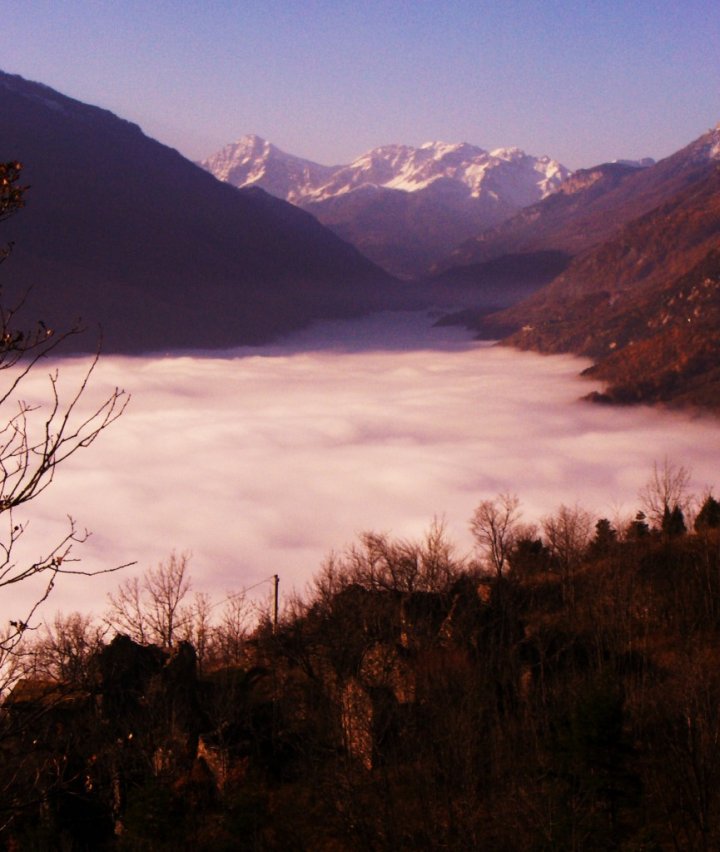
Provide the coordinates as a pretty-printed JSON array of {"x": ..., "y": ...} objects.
[
  {"x": 492, "y": 285},
  {"x": 505, "y": 264},
  {"x": 644, "y": 303},
  {"x": 581, "y": 213},
  {"x": 585, "y": 210},
  {"x": 126, "y": 233},
  {"x": 642, "y": 163},
  {"x": 254, "y": 162},
  {"x": 404, "y": 207}
]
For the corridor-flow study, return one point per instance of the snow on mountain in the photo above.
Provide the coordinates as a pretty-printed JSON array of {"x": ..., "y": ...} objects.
[
  {"x": 508, "y": 173},
  {"x": 252, "y": 161},
  {"x": 402, "y": 206},
  {"x": 714, "y": 143}
]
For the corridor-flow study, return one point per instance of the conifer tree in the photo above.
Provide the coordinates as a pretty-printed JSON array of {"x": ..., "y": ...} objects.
[{"x": 709, "y": 515}]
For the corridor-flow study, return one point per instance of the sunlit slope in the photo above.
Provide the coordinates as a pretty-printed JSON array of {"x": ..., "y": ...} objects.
[
  {"x": 591, "y": 205},
  {"x": 645, "y": 304}
]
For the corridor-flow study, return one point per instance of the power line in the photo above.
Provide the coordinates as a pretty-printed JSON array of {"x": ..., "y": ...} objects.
[{"x": 273, "y": 577}]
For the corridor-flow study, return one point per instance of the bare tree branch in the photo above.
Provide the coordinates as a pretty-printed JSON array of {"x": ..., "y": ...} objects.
[
  {"x": 666, "y": 489},
  {"x": 34, "y": 439},
  {"x": 495, "y": 525},
  {"x": 149, "y": 610}
]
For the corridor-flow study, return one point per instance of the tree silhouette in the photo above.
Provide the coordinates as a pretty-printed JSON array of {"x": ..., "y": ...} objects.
[
  {"x": 495, "y": 527},
  {"x": 150, "y": 609},
  {"x": 708, "y": 517}
]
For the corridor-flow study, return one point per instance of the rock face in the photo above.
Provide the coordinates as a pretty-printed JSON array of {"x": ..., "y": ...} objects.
[
  {"x": 124, "y": 232},
  {"x": 402, "y": 206}
]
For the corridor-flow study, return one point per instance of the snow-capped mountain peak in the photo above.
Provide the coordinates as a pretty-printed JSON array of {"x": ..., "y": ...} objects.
[
  {"x": 424, "y": 199},
  {"x": 473, "y": 170},
  {"x": 443, "y": 149},
  {"x": 253, "y": 161},
  {"x": 508, "y": 154}
]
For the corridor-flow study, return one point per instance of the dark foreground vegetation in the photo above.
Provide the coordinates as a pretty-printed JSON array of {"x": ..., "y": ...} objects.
[{"x": 561, "y": 692}]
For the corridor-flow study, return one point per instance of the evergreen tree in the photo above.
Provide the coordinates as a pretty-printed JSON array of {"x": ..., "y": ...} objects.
[
  {"x": 673, "y": 522},
  {"x": 605, "y": 538},
  {"x": 639, "y": 527},
  {"x": 709, "y": 515}
]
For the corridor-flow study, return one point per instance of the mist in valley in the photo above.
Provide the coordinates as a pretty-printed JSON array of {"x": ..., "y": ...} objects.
[{"x": 262, "y": 461}]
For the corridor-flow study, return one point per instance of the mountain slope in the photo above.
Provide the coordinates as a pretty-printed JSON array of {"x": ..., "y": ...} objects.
[
  {"x": 570, "y": 220},
  {"x": 676, "y": 358},
  {"x": 402, "y": 206},
  {"x": 644, "y": 304},
  {"x": 589, "y": 207},
  {"x": 125, "y": 232},
  {"x": 253, "y": 161}
]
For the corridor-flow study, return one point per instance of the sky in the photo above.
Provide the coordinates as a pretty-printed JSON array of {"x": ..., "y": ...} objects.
[
  {"x": 258, "y": 462},
  {"x": 582, "y": 81}
]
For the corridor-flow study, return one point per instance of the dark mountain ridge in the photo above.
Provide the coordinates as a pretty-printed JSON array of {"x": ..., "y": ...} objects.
[{"x": 125, "y": 232}]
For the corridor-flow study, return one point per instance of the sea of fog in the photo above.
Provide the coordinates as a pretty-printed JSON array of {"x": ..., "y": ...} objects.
[{"x": 262, "y": 461}]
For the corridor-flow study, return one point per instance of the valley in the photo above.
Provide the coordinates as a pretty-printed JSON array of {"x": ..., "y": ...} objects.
[
  {"x": 359, "y": 476},
  {"x": 616, "y": 262},
  {"x": 403, "y": 207}
]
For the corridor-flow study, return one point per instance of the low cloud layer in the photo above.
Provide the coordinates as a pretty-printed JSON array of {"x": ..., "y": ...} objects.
[{"x": 262, "y": 461}]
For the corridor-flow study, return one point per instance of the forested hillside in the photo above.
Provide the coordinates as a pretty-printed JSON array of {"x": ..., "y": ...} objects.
[{"x": 561, "y": 690}]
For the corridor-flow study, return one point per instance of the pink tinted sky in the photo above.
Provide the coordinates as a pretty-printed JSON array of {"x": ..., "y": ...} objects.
[{"x": 581, "y": 80}]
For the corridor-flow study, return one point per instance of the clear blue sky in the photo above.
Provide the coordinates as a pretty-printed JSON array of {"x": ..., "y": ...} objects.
[{"x": 328, "y": 79}]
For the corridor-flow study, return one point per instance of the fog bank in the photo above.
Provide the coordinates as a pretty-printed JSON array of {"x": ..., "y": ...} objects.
[{"x": 262, "y": 461}]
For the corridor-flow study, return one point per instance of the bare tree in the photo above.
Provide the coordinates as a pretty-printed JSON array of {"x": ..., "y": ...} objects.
[
  {"x": 666, "y": 489},
  {"x": 567, "y": 535},
  {"x": 61, "y": 650},
  {"x": 36, "y": 438},
  {"x": 150, "y": 609},
  {"x": 495, "y": 526},
  {"x": 194, "y": 625},
  {"x": 403, "y": 565},
  {"x": 166, "y": 587},
  {"x": 233, "y": 629}
]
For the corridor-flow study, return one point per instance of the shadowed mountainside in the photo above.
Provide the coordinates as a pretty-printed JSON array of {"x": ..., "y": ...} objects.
[
  {"x": 591, "y": 205},
  {"x": 569, "y": 220},
  {"x": 124, "y": 232},
  {"x": 645, "y": 305}
]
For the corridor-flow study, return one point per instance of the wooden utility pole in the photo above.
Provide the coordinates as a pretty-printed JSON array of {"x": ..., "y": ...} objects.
[{"x": 276, "y": 581}]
